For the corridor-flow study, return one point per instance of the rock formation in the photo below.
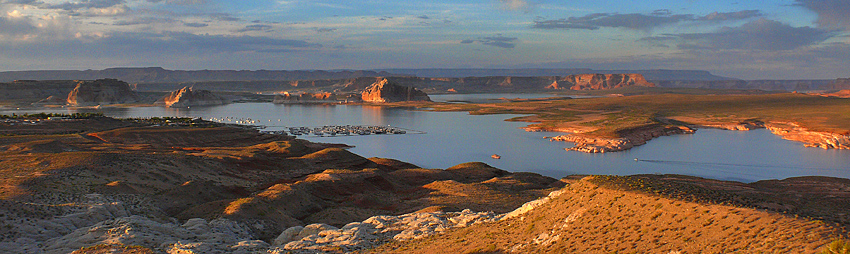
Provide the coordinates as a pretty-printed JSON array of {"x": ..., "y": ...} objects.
[
  {"x": 768, "y": 85},
  {"x": 387, "y": 91},
  {"x": 322, "y": 97},
  {"x": 601, "y": 81},
  {"x": 30, "y": 91},
  {"x": 838, "y": 84},
  {"x": 101, "y": 92},
  {"x": 840, "y": 94},
  {"x": 50, "y": 100},
  {"x": 634, "y": 137},
  {"x": 809, "y": 138},
  {"x": 188, "y": 97},
  {"x": 554, "y": 86}
]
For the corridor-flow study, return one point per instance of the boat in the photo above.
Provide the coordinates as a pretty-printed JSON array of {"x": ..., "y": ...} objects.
[{"x": 495, "y": 156}]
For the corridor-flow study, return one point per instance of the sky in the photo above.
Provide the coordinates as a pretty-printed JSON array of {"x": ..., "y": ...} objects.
[{"x": 787, "y": 39}]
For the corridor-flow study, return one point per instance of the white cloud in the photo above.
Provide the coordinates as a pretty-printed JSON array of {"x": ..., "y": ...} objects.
[
  {"x": 516, "y": 5},
  {"x": 831, "y": 13}
]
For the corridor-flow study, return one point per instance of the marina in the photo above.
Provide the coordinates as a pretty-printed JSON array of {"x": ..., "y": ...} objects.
[{"x": 343, "y": 130}]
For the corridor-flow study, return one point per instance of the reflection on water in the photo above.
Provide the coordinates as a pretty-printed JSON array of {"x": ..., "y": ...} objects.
[{"x": 456, "y": 137}]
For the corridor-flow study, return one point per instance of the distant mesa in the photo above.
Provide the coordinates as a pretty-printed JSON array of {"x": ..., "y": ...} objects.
[
  {"x": 101, "y": 92},
  {"x": 187, "y": 97},
  {"x": 385, "y": 90},
  {"x": 599, "y": 81},
  {"x": 838, "y": 84},
  {"x": 286, "y": 97}
]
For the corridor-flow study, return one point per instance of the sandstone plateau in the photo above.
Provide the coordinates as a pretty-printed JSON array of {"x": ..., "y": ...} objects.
[
  {"x": 187, "y": 97},
  {"x": 838, "y": 84},
  {"x": 599, "y": 81},
  {"x": 386, "y": 91},
  {"x": 101, "y": 92}
]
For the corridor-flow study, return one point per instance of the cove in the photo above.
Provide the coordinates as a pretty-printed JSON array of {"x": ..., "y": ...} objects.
[{"x": 452, "y": 138}]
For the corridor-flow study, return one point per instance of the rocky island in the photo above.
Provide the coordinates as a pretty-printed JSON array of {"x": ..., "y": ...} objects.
[
  {"x": 101, "y": 92},
  {"x": 187, "y": 97},
  {"x": 386, "y": 91}
]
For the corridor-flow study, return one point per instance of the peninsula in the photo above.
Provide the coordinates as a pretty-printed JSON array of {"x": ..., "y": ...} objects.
[{"x": 615, "y": 123}]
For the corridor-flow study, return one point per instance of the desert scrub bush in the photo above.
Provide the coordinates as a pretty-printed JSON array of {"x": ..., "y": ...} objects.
[{"x": 839, "y": 246}]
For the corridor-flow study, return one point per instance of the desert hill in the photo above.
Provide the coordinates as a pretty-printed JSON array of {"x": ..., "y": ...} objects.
[
  {"x": 653, "y": 214},
  {"x": 67, "y": 183}
]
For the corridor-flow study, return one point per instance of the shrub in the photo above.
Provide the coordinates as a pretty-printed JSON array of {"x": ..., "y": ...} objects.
[{"x": 839, "y": 246}]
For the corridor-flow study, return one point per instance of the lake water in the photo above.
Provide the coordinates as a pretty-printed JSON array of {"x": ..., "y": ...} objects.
[
  {"x": 452, "y": 138},
  {"x": 488, "y": 98}
]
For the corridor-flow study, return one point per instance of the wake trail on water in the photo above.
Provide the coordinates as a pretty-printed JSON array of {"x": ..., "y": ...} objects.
[{"x": 720, "y": 164}]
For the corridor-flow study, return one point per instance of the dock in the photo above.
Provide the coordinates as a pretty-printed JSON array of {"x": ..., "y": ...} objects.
[{"x": 343, "y": 130}]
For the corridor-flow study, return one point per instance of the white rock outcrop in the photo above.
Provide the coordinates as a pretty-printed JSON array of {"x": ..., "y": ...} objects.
[
  {"x": 102, "y": 221},
  {"x": 374, "y": 231}
]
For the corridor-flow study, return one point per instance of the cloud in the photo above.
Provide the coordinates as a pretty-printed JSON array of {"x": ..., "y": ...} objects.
[
  {"x": 423, "y": 17},
  {"x": 12, "y": 25},
  {"x": 183, "y": 43},
  {"x": 179, "y": 2},
  {"x": 516, "y": 5},
  {"x": 255, "y": 27},
  {"x": 325, "y": 30},
  {"x": 190, "y": 24},
  {"x": 821, "y": 62},
  {"x": 185, "y": 2},
  {"x": 28, "y": 2},
  {"x": 495, "y": 41},
  {"x": 223, "y": 17},
  {"x": 831, "y": 13},
  {"x": 142, "y": 21},
  {"x": 84, "y": 4},
  {"x": 638, "y": 21},
  {"x": 761, "y": 34},
  {"x": 738, "y": 15}
]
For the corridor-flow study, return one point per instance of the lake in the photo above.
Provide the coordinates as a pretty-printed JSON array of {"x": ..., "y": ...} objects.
[{"x": 452, "y": 138}]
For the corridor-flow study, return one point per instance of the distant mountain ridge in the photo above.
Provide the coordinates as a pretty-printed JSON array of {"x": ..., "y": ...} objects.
[
  {"x": 160, "y": 75},
  {"x": 651, "y": 75},
  {"x": 471, "y": 80}
]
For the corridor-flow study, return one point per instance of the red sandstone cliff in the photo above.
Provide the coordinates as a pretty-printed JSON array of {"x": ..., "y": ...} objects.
[
  {"x": 600, "y": 81},
  {"x": 101, "y": 92},
  {"x": 187, "y": 96},
  {"x": 321, "y": 97},
  {"x": 386, "y": 91}
]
